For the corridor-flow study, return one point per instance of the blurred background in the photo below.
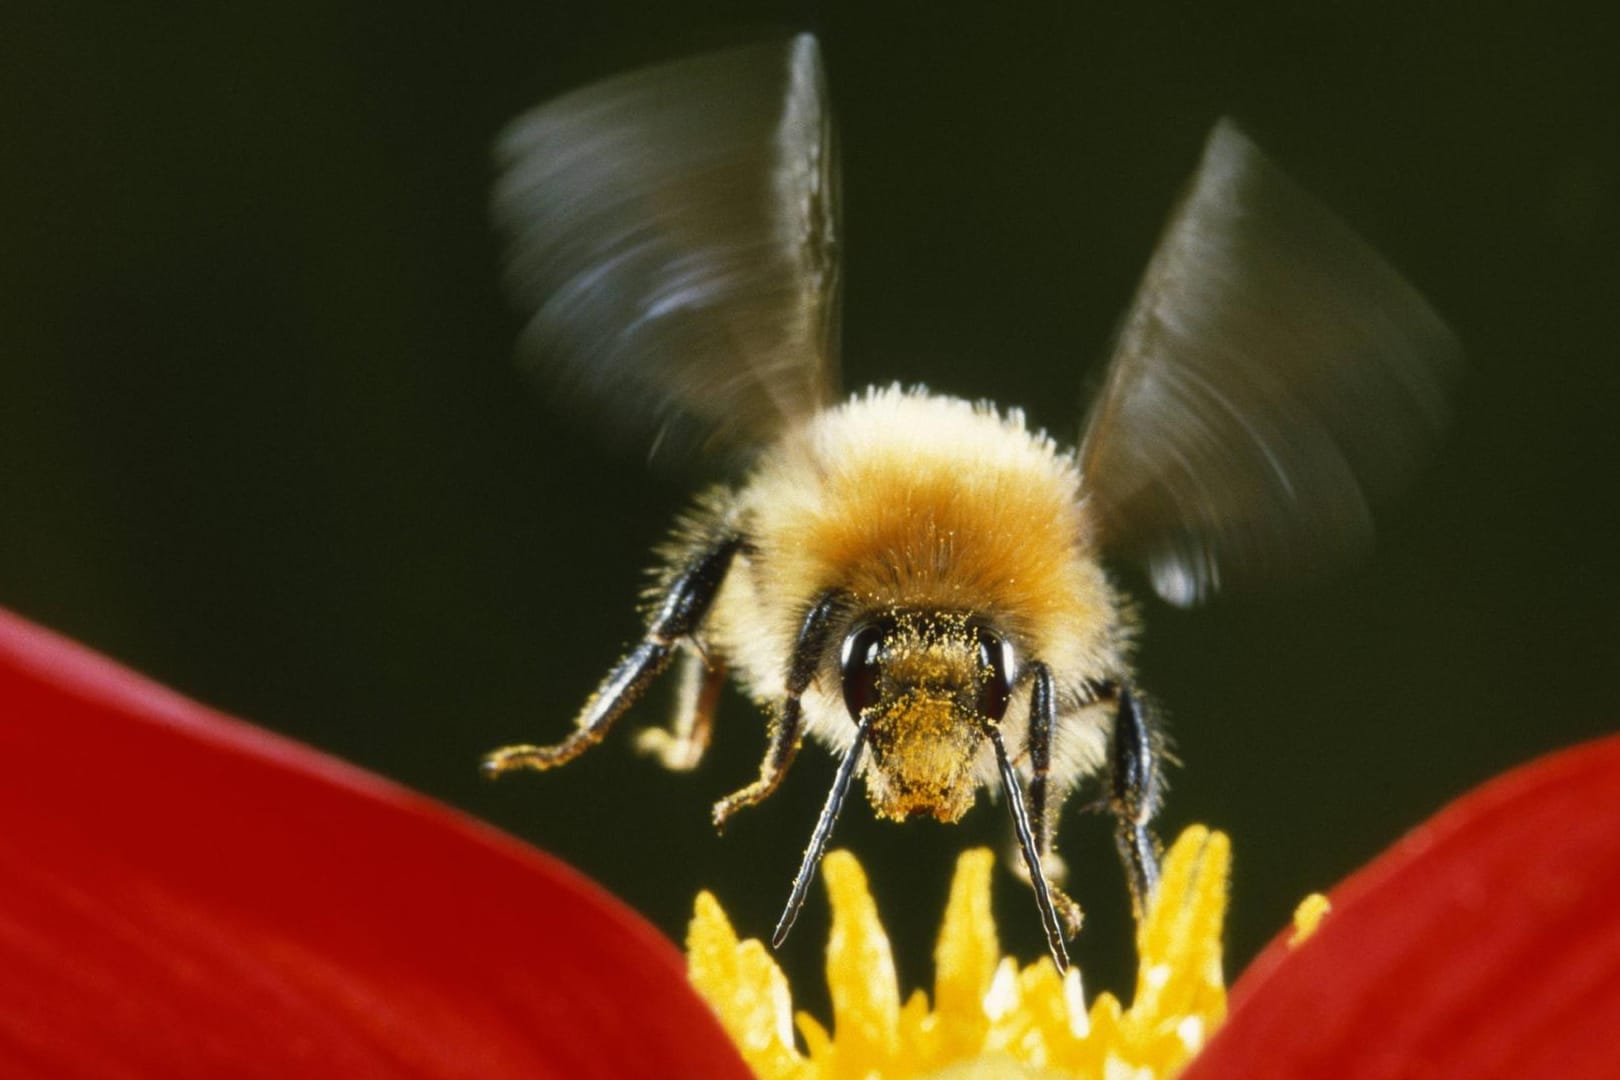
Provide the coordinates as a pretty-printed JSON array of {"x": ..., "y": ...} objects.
[{"x": 261, "y": 438}]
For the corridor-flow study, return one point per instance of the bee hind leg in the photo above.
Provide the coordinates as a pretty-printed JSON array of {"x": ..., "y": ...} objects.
[
  {"x": 680, "y": 746},
  {"x": 787, "y": 729},
  {"x": 679, "y": 614}
]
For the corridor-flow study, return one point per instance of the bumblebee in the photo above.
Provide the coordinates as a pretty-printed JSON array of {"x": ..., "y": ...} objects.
[{"x": 912, "y": 580}]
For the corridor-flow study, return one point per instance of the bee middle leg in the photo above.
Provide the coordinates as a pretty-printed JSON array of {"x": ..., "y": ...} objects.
[
  {"x": 1134, "y": 797},
  {"x": 787, "y": 729},
  {"x": 681, "y": 612}
]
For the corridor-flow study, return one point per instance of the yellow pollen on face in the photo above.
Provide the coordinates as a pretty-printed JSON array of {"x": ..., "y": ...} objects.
[{"x": 988, "y": 1016}]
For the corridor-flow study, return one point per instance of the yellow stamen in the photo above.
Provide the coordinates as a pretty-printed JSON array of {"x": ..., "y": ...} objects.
[
  {"x": 989, "y": 1017},
  {"x": 1307, "y": 917}
]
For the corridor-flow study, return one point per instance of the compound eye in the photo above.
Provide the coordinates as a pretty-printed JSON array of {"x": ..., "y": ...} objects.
[
  {"x": 995, "y": 666},
  {"x": 862, "y": 661}
]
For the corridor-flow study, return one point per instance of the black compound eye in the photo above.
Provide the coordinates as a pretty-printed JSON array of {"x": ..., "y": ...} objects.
[
  {"x": 995, "y": 664},
  {"x": 862, "y": 661}
]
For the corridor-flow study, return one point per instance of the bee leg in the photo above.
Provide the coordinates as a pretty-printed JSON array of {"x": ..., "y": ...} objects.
[
  {"x": 680, "y": 746},
  {"x": 1134, "y": 798},
  {"x": 787, "y": 730},
  {"x": 681, "y": 612},
  {"x": 1041, "y": 719},
  {"x": 1043, "y": 818}
]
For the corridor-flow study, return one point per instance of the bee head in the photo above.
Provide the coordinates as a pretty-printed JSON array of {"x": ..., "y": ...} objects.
[{"x": 928, "y": 684}]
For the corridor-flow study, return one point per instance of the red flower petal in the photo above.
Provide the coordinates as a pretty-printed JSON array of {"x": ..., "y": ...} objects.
[
  {"x": 184, "y": 895},
  {"x": 1485, "y": 944}
]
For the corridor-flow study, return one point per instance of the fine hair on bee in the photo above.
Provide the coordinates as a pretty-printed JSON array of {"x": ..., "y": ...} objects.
[{"x": 915, "y": 581}]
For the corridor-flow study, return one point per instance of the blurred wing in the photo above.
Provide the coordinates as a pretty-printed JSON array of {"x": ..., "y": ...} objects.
[
  {"x": 673, "y": 232},
  {"x": 1273, "y": 378}
]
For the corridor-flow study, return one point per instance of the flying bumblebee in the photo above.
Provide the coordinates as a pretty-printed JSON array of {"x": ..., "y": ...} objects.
[{"x": 913, "y": 580}]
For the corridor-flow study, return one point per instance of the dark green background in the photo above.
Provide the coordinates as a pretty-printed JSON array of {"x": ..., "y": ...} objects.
[{"x": 260, "y": 436}]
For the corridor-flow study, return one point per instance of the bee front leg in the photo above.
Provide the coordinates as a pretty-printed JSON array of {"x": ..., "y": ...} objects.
[
  {"x": 680, "y": 746},
  {"x": 1134, "y": 797},
  {"x": 787, "y": 729},
  {"x": 1043, "y": 817},
  {"x": 681, "y": 612}
]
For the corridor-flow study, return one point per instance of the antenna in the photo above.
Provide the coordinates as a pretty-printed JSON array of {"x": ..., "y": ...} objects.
[
  {"x": 1032, "y": 857},
  {"x": 823, "y": 833}
]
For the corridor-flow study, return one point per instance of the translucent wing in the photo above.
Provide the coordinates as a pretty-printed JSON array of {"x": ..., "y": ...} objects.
[
  {"x": 1273, "y": 378},
  {"x": 673, "y": 232}
]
